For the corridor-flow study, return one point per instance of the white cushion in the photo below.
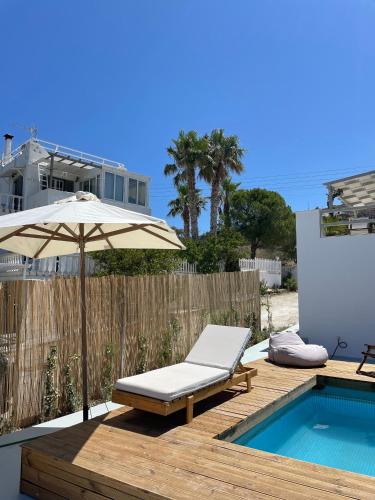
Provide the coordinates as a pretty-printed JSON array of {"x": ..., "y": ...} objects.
[
  {"x": 173, "y": 381},
  {"x": 219, "y": 347}
]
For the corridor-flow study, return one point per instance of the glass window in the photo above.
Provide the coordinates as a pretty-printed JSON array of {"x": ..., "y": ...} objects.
[
  {"x": 86, "y": 185},
  {"x": 119, "y": 190},
  {"x": 109, "y": 188},
  {"x": 92, "y": 187},
  {"x": 141, "y": 193},
  {"x": 132, "y": 197}
]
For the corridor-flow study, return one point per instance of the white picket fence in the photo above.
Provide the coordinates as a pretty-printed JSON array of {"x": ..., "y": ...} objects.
[{"x": 269, "y": 270}]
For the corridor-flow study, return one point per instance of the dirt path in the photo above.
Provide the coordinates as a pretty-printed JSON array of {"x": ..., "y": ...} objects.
[{"x": 284, "y": 310}]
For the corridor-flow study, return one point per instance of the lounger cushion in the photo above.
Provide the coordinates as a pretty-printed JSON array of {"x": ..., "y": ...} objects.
[
  {"x": 173, "y": 381},
  {"x": 220, "y": 347},
  {"x": 299, "y": 355}
]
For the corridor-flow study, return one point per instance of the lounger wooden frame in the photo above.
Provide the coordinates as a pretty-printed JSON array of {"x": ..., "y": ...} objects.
[{"x": 242, "y": 374}]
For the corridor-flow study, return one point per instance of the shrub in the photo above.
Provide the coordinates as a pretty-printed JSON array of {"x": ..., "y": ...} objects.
[
  {"x": 108, "y": 372},
  {"x": 290, "y": 283},
  {"x": 259, "y": 336},
  {"x": 169, "y": 340},
  {"x": 50, "y": 390},
  {"x": 4, "y": 362},
  {"x": 142, "y": 355},
  {"x": 72, "y": 400},
  {"x": 263, "y": 287}
]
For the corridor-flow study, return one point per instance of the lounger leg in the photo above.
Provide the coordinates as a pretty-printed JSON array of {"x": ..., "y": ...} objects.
[
  {"x": 362, "y": 363},
  {"x": 189, "y": 409},
  {"x": 248, "y": 382}
]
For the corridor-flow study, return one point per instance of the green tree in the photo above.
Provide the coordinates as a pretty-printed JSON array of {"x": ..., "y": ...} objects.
[
  {"x": 223, "y": 155},
  {"x": 187, "y": 152},
  {"x": 210, "y": 252},
  {"x": 263, "y": 218},
  {"x": 180, "y": 206},
  {"x": 133, "y": 262}
]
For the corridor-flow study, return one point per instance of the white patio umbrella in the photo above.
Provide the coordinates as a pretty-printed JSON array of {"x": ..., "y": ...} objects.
[{"x": 82, "y": 224}]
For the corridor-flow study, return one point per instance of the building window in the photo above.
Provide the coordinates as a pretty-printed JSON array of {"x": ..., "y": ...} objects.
[
  {"x": 119, "y": 188},
  {"x": 142, "y": 193},
  {"x": 132, "y": 198},
  {"x": 137, "y": 192},
  {"x": 57, "y": 183},
  {"x": 91, "y": 185},
  {"x": 114, "y": 187},
  {"x": 109, "y": 188}
]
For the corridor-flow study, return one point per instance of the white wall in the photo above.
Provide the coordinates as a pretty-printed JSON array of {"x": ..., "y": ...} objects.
[{"x": 336, "y": 281}]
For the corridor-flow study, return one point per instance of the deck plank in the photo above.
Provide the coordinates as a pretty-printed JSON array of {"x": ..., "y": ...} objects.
[{"x": 131, "y": 454}]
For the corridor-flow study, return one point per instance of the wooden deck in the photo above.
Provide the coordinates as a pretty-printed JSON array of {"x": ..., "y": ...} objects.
[{"x": 131, "y": 454}]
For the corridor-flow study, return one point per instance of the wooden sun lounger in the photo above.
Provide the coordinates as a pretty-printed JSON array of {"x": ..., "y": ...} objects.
[{"x": 241, "y": 374}]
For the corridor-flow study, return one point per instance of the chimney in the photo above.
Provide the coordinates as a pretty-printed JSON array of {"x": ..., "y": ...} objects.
[{"x": 7, "y": 147}]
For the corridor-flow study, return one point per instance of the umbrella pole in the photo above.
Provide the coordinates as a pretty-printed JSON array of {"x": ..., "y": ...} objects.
[{"x": 85, "y": 397}]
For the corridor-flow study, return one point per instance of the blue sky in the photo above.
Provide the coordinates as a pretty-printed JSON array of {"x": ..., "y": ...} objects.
[{"x": 294, "y": 79}]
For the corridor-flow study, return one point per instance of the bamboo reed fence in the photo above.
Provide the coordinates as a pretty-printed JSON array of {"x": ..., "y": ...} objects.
[{"x": 148, "y": 321}]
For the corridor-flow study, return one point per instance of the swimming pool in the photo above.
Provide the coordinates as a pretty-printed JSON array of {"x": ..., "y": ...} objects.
[{"x": 330, "y": 425}]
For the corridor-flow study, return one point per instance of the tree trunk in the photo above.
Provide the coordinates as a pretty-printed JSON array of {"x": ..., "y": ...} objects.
[
  {"x": 253, "y": 250},
  {"x": 192, "y": 203},
  {"x": 226, "y": 208},
  {"x": 186, "y": 219},
  {"x": 215, "y": 194}
]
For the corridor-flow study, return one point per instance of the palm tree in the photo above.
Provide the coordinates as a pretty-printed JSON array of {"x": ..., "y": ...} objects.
[
  {"x": 186, "y": 152},
  {"x": 180, "y": 206},
  {"x": 227, "y": 189},
  {"x": 223, "y": 156}
]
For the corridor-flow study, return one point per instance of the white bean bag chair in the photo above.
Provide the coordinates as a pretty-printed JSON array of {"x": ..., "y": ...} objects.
[{"x": 287, "y": 348}]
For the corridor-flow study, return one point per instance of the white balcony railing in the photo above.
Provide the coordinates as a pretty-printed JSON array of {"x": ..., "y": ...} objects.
[
  {"x": 10, "y": 203},
  {"x": 347, "y": 221}
]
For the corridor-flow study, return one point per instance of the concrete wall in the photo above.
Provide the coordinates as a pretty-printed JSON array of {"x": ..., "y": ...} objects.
[{"x": 336, "y": 280}]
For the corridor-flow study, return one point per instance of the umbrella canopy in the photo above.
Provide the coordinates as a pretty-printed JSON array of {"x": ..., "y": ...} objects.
[
  {"x": 82, "y": 224},
  {"x": 55, "y": 229}
]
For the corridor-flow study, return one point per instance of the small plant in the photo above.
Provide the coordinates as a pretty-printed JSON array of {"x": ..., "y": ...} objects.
[
  {"x": 70, "y": 389},
  {"x": 142, "y": 355},
  {"x": 263, "y": 287},
  {"x": 251, "y": 321},
  {"x": 169, "y": 339},
  {"x": 4, "y": 362},
  {"x": 266, "y": 302},
  {"x": 259, "y": 336},
  {"x": 6, "y": 426},
  {"x": 290, "y": 283},
  {"x": 229, "y": 317},
  {"x": 108, "y": 372},
  {"x": 50, "y": 390}
]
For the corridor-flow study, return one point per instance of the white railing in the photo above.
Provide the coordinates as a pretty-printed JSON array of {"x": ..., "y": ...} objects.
[
  {"x": 16, "y": 152},
  {"x": 78, "y": 155},
  {"x": 10, "y": 203},
  {"x": 347, "y": 221},
  {"x": 267, "y": 265}
]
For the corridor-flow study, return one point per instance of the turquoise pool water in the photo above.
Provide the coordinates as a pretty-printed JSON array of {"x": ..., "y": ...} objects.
[{"x": 332, "y": 426}]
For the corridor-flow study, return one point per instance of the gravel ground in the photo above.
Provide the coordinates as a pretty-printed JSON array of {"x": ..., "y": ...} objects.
[{"x": 284, "y": 310}]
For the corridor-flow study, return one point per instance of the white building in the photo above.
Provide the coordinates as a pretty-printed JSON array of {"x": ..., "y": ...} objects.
[
  {"x": 38, "y": 173},
  {"x": 336, "y": 272}
]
